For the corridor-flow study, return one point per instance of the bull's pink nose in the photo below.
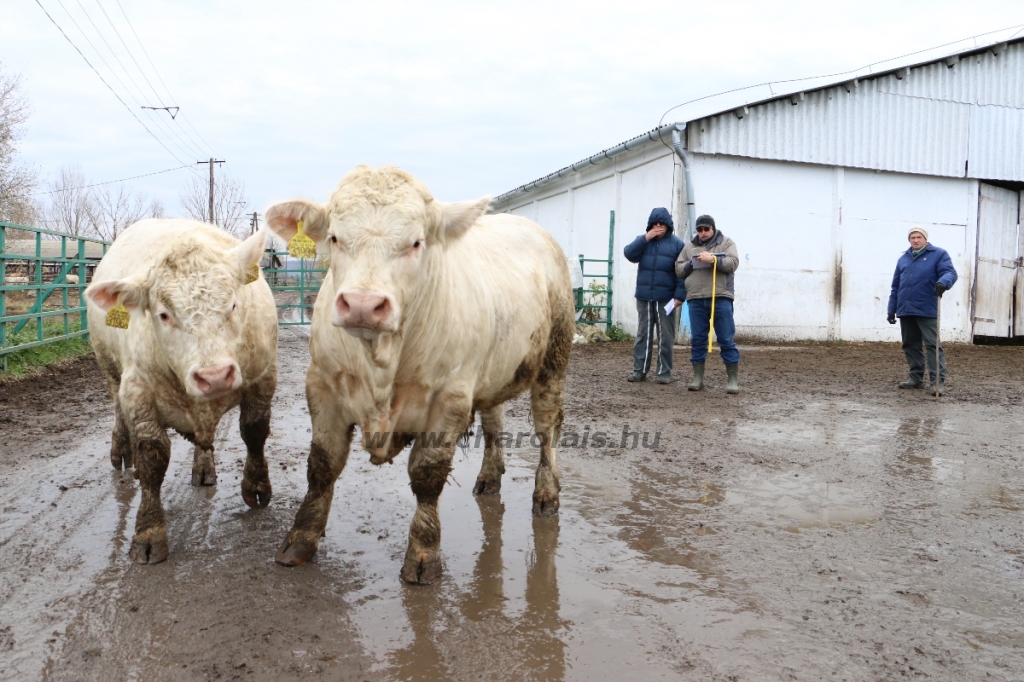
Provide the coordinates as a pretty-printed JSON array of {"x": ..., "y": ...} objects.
[
  {"x": 212, "y": 380},
  {"x": 360, "y": 308}
]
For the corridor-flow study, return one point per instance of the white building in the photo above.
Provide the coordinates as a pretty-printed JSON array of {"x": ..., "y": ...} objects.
[{"x": 818, "y": 189}]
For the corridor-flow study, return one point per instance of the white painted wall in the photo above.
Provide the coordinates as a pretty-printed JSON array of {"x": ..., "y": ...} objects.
[{"x": 798, "y": 228}]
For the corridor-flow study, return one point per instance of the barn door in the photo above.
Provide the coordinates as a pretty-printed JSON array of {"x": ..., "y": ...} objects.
[
  {"x": 997, "y": 261},
  {"x": 1018, "y": 298}
]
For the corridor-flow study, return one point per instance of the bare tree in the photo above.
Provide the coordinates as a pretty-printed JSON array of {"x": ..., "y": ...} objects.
[
  {"x": 156, "y": 209},
  {"x": 113, "y": 209},
  {"x": 16, "y": 181},
  {"x": 71, "y": 207},
  {"x": 228, "y": 203}
]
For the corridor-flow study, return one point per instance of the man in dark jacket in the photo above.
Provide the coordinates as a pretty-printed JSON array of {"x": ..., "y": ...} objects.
[
  {"x": 708, "y": 265},
  {"x": 923, "y": 273},
  {"x": 656, "y": 285}
]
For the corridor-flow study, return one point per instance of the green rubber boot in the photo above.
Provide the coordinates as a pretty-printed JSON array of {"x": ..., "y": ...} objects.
[
  {"x": 733, "y": 374},
  {"x": 698, "y": 378}
]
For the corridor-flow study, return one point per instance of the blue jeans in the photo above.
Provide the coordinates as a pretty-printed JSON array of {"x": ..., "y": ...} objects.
[{"x": 700, "y": 325}]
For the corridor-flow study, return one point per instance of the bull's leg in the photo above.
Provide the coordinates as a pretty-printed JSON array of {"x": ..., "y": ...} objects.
[
  {"x": 254, "y": 423},
  {"x": 430, "y": 462},
  {"x": 328, "y": 453},
  {"x": 204, "y": 467},
  {"x": 546, "y": 403},
  {"x": 120, "y": 440},
  {"x": 151, "y": 450},
  {"x": 488, "y": 481}
]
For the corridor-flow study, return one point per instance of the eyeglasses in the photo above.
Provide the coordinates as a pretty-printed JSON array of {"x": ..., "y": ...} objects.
[{"x": 705, "y": 228}]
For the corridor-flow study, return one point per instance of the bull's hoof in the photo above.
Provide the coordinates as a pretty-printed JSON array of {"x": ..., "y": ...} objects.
[
  {"x": 256, "y": 493},
  {"x": 149, "y": 546},
  {"x": 545, "y": 503},
  {"x": 298, "y": 548},
  {"x": 204, "y": 470},
  {"x": 421, "y": 567},
  {"x": 121, "y": 458},
  {"x": 487, "y": 486}
]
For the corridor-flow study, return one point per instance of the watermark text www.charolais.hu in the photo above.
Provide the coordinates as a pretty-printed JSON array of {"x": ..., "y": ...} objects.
[{"x": 587, "y": 438}]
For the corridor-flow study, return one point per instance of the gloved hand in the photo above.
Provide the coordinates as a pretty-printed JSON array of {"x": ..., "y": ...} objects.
[
  {"x": 940, "y": 288},
  {"x": 892, "y": 318}
]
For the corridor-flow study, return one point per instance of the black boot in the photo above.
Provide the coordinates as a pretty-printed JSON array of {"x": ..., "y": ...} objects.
[
  {"x": 635, "y": 377},
  {"x": 910, "y": 383},
  {"x": 733, "y": 374},
  {"x": 698, "y": 378}
]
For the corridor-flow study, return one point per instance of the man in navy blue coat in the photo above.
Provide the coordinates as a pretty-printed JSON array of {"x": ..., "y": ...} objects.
[
  {"x": 656, "y": 284},
  {"x": 923, "y": 273}
]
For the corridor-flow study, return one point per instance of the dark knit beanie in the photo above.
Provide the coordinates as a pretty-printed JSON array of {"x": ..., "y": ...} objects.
[{"x": 706, "y": 220}]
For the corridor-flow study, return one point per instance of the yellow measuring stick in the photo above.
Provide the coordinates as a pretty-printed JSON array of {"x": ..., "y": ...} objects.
[{"x": 714, "y": 285}]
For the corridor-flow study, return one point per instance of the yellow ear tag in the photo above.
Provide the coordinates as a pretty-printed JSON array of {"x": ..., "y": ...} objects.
[
  {"x": 118, "y": 316},
  {"x": 253, "y": 274},
  {"x": 300, "y": 245}
]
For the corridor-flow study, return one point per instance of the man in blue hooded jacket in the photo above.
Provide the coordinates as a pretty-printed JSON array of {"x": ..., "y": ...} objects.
[
  {"x": 923, "y": 273},
  {"x": 656, "y": 284}
]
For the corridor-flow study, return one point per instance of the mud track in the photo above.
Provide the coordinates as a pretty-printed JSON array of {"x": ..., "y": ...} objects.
[{"x": 820, "y": 525}]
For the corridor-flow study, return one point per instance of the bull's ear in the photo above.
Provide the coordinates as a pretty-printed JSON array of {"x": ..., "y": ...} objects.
[
  {"x": 249, "y": 252},
  {"x": 459, "y": 216},
  {"x": 128, "y": 291},
  {"x": 283, "y": 218}
]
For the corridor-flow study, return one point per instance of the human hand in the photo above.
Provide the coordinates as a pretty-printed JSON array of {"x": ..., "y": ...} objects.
[
  {"x": 940, "y": 288},
  {"x": 677, "y": 302},
  {"x": 655, "y": 232},
  {"x": 892, "y": 318},
  {"x": 706, "y": 257}
]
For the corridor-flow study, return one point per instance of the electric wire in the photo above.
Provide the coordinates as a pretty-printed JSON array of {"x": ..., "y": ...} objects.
[
  {"x": 112, "y": 90},
  {"x": 840, "y": 73},
  {"x": 191, "y": 143},
  {"x": 111, "y": 182},
  {"x": 182, "y": 146},
  {"x": 114, "y": 73},
  {"x": 161, "y": 79}
]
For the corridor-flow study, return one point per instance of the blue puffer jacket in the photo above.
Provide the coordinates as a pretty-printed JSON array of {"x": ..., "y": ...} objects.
[
  {"x": 656, "y": 277},
  {"x": 913, "y": 285}
]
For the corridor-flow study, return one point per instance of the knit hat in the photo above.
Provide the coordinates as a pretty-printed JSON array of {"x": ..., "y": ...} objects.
[
  {"x": 705, "y": 220},
  {"x": 918, "y": 229}
]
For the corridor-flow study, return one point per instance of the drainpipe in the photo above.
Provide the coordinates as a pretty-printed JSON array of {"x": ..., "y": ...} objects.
[{"x": 691, "y": 211}]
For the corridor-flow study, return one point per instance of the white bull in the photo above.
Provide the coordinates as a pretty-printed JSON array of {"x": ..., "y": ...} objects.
[
  {"x": 200, "y": 342},
  {"x": 442, "y": 312}
]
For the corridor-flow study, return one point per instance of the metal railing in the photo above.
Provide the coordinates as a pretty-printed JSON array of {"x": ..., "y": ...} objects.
[
  {"x": 595, "y": 292},
  {"x": 295, "y": 283},
  {"x": 43, "y": 276}
]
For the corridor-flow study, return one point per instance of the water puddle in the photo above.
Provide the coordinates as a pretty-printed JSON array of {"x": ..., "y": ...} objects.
[{"x": 795, "y": 501}]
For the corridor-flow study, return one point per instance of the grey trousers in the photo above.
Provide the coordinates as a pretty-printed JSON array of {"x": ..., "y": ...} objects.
[
  {"x": 653, "y": 319},
  {"x": 916, "y": 330}
]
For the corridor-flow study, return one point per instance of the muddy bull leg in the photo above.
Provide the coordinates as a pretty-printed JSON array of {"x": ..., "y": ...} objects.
[
  {"x": 120, "y": 441},
  {"x": 488, "y": 481},
  {"x": 152, "y": 452},
  {"x": 430, "y": 462},
  {"x": 328, "y": 453},
  {"x": 546, "y": 403},
  {"x": 254, "y": 424},
  {"x": 204, "y": 466}
]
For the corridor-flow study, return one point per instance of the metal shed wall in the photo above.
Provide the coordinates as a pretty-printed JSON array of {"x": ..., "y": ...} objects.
[{"x": 964, "y": 121}]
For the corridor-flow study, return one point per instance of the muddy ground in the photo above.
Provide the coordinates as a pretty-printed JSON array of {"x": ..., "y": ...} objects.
[{"x": 820, "y": 525}]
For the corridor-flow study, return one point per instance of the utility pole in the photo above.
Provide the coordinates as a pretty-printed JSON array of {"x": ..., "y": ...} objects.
[
  {"x": 254, "y": 223},
  {"x": 212, "y": 162}
]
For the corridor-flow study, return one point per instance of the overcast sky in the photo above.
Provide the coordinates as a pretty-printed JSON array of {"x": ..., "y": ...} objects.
[{"x": 473, "y": 97}]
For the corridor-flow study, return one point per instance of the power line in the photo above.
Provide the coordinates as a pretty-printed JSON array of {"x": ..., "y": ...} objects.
[
  {"x": 110, "y": 182},
  {"x": 191, "y": 144},
  {"x": 157, "y": 72},
  {"x": 102, "y": 80},
  {"x": 160, "y": 122}
]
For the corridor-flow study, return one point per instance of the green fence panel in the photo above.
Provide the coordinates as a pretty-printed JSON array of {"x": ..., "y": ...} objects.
[
  {"x": 295, "y": 283},
  {"x": 34, "y": 266}
]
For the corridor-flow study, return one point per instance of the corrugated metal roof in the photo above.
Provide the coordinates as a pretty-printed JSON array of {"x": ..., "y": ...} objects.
[{"x": 924, "y": 118}]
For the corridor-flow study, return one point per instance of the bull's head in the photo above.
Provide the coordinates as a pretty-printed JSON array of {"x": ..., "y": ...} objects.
[
  {"x": 190, "y": 300},
  {"x": 380, "y": 228}
]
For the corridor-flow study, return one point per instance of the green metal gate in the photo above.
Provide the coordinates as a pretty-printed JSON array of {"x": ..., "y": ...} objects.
[
  {"x": 581, "y": 304},
  {"x": 295, "y": 283},
  {"x": 43, "y": 276}
]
